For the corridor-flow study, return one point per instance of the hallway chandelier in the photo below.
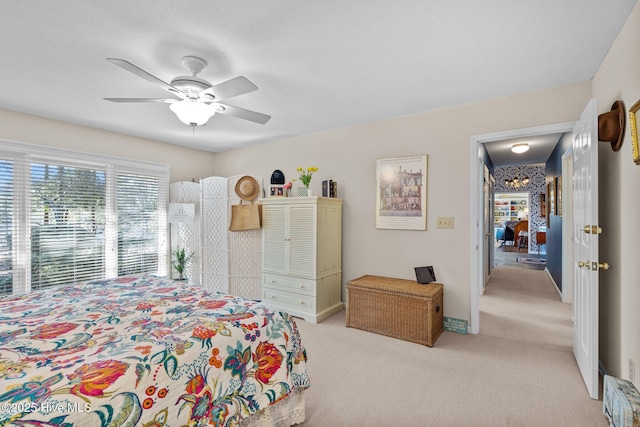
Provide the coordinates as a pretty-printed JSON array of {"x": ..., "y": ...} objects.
[{"x": 516, "y": 182}]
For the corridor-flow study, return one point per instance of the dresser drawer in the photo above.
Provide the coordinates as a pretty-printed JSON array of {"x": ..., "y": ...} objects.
[
  {"x": 289, "y": 284},
  {"x": 287, "y": 300}
]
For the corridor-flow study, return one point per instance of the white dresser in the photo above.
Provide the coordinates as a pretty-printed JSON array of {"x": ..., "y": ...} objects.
[{"x": 301, "y": 255}]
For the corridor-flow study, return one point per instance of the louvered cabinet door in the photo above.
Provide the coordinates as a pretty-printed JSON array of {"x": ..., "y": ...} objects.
[
  {"x": 274, "y": 245},
  {"x": 301, "y": 271},
  {"x": 302, "y": 241}
]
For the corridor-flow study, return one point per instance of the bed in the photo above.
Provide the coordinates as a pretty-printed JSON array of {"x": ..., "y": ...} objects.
[{"x": 147, "y": 351}]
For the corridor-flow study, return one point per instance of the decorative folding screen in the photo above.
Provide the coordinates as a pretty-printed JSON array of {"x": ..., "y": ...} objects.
[
  {"x": 229, "y": 261},
  {"x": 187, "y": 235},
  {"x": 214, "y": 234},
  {"x": 245, "y": 250}
]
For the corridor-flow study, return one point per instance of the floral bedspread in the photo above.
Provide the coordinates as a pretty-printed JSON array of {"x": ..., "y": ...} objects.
[{"x": 142, "y": 351}]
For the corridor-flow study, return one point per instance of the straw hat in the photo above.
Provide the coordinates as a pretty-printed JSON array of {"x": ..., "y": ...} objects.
[
  {"x": 611, "y": 125},
  {"x": 247, "y": 188}
]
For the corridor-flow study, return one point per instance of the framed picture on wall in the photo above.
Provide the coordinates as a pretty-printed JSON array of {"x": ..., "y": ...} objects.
[
  {"x": 543, "y": 205},
  {"x": 559, "y": 196},
  {"x": 552, "y": 197},
  {"x": 401, "y": 193},
  {"x": 548, "y": 204}
]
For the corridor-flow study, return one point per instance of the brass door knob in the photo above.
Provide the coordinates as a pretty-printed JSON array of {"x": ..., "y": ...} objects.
[
  {"x": 592, "y": 229},
  {"x": 595, "y": 266}
]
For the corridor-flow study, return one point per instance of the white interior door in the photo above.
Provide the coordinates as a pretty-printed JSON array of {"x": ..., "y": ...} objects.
[
  {"x": 567, "y": 228},
  {"x": 585, "y": 247},
  {"x": 488, "y": 241}
]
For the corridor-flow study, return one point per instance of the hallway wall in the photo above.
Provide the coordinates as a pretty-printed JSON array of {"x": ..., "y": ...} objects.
[{"x": 554, "y": 231}]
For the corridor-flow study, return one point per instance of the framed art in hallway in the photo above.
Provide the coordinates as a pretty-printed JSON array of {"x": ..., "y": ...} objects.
[
  {"x": 401, "y": 193},
  {"x": 559, "y": 196},
  {"x": 549, "y": 204}
]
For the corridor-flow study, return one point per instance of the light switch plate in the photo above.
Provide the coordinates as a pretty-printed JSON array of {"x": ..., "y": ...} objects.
[{"x": 445, "y": 222}]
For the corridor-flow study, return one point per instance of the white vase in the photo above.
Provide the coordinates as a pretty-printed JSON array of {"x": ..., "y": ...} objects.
[{"x": 309, "y": 193}]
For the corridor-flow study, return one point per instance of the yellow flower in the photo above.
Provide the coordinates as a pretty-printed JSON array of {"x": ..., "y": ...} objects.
[{"x": 305, "y": 176}]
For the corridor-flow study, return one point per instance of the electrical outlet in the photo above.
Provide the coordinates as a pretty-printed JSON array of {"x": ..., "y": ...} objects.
[
  {"x": 445, "y": 222},
  {"x": 632, "y": 371}
]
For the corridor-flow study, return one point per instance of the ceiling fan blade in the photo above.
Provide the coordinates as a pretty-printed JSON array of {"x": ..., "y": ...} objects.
[
  {"x": 142, "y": 73},
  {"x": 167, "y": 101},
  {"x": 234, "y": 87},
  {"x": 241, "y": 113}
]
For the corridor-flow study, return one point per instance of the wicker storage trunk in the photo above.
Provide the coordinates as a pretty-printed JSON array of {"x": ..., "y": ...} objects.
[{"x": 397, "y": 308}]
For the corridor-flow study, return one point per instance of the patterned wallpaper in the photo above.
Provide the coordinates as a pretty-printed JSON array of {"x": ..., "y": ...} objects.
[{"x": 537, "y": 186}]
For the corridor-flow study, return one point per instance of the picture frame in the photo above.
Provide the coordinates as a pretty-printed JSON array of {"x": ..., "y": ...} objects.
[
  {"x": 276, "y": 191},
  {"x": 548, "y": 205},
  {"x": 552, "y": 197},
  {"x": 181, "y": 213},
  {"x": 633, "y": 124},
  {"x": 401, "y": 193},
  {"x": 559, "y": 196}
]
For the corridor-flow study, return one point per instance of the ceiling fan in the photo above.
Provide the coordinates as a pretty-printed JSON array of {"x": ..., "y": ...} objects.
[{"x": 196, "y": 100}]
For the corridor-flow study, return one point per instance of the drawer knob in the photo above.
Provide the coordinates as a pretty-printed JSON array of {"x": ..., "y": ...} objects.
[
  {"x": 301, "y": 286},
  {"x": 301, "y": 302}
]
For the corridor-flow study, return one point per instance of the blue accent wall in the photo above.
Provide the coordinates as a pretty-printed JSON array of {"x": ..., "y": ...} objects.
[{"x": 554, "y": 230}]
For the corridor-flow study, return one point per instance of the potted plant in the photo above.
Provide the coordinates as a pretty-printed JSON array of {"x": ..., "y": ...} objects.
[{"x": 180, "y": 261}]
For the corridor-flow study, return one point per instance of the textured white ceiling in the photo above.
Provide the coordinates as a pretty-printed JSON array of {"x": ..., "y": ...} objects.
[{"x": 318, "y": 65}]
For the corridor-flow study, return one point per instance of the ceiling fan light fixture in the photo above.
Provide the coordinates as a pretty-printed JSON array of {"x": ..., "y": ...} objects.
[
  {"x": 520, "y": 148},
  {"x": 192, "y": 113}
]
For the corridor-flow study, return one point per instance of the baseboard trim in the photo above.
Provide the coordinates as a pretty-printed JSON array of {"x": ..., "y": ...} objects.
[
  {"x": 555, "y": 285},
  {"x": 603, "y": 371}
]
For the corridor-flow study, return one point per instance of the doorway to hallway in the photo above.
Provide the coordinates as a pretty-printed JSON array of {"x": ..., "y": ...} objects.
[{"x": 480, "y": 156}]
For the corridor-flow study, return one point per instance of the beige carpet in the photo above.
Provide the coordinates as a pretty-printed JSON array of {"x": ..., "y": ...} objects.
[{"x": 519, "y": 371}]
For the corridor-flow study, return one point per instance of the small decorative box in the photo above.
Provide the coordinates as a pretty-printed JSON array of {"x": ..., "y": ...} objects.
[{"x": 621, "y": 402}]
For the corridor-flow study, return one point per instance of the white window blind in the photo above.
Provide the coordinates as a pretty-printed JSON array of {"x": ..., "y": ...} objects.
[
  {"x": 67, "y": 217},
  {"x": 67, "y": 224},
  {"x": 6, "y": 226},
  {"x": 138, "y": 223}
]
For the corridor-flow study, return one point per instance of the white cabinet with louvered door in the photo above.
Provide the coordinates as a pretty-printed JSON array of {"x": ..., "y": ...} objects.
[{"x": 302, "y": 255}]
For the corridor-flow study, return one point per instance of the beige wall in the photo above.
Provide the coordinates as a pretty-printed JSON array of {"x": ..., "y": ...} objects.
[
  {"x": 619, "y": 78},
  {"x": 348, "y": 155},
  {"x": 185, "y": 163}
]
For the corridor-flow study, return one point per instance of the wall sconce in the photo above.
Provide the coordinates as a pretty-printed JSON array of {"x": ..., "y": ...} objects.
[
  {"x": 520, "y": 148},
  {"x": 517, "y": 183}
]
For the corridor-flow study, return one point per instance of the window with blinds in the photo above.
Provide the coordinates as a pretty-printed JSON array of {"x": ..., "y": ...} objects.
[
  {"x": 6, "y": 226},
  {"x": 78, "y": 218},
  {"x": 67, "y": 223},
  {"x": 137, "y": 207}
]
